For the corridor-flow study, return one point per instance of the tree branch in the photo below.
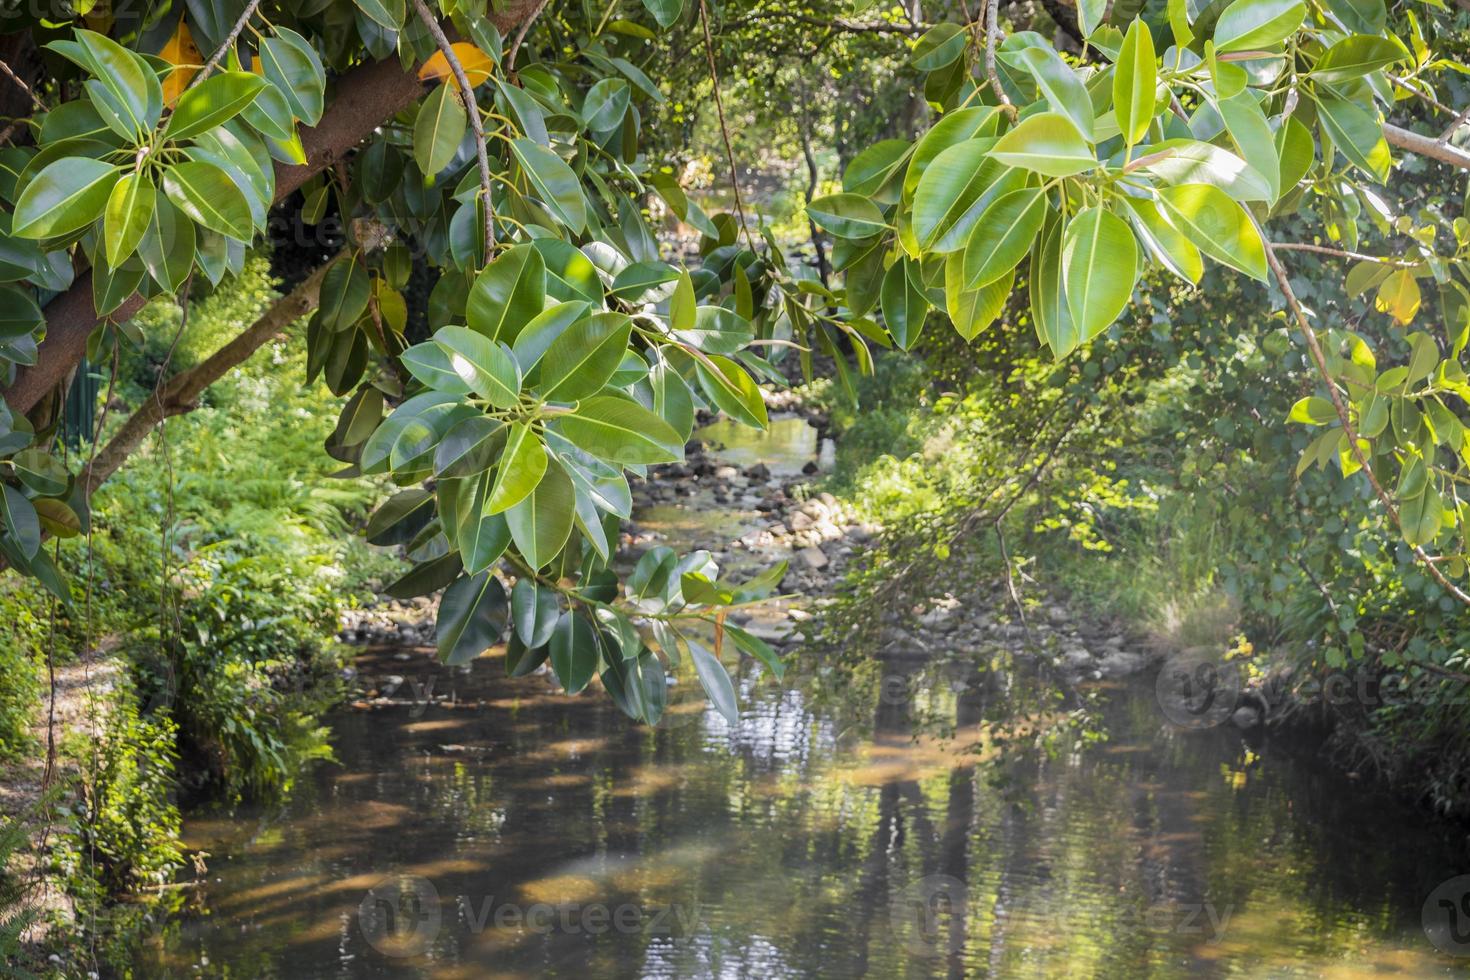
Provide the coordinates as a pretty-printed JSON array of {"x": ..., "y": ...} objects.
[
  {"x": 229, "y": 41},
  {"x": 180, "y": 394},
  {"x": 1314, "y": 346},
  {"x": 1426, "y": 146},
  {"x": 472, "y": 109},
  {"x": 993, "y": 38},
  {"x": 365, "y": 97}
]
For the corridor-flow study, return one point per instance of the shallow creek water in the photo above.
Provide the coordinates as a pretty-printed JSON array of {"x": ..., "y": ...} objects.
[{"x": 516, "y": 832}]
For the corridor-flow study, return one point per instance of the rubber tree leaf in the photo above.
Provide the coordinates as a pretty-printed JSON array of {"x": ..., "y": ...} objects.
[
  {"x": 472, "y": 617},
  {"x": 1100, "y": 266},
  {"x": 541, "y": 523}
]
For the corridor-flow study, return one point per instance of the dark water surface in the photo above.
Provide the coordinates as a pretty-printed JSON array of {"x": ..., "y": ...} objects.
[{"x": 516, "y": 832}]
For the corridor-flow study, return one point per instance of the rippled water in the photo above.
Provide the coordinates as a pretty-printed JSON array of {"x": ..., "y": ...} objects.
[{"x": 516, "y": 832}]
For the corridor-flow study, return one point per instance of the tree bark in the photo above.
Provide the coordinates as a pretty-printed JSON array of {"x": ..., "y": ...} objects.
[
  {"x": 180, "y": 393},
  {"x": 365, "y": 97}
]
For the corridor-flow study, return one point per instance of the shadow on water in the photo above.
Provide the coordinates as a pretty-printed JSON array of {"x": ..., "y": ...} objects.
[{"x": 511, "y": 831}]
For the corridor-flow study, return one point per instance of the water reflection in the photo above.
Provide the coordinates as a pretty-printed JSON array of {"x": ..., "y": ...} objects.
[{"x": 516, "y": 832}]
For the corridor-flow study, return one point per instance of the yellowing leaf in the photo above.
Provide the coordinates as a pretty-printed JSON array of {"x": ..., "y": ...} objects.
[
  {"x": 1399, "y": 296},
  {"x": 478, "y": 66},
  {"x": 181, "y": 52}
]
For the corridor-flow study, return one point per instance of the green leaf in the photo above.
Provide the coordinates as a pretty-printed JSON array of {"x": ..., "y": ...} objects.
[
  {"x": 1090, "y": 15},
  {"x": 1003, "y": 235},
  {"x": 1421, "y": 517},
  {"x": 1358, "y": 132},
  {"x": 399, "y": 518},
  {"x": 1252, "y": 135},
  {"x": 470, "y": 447},
  {"x": 167, "y": 246},
  {"x": 385, "y": 13},
  {"x": 732, "y": 390},
  {"x": 717, "y": 330},
  {"x": 1219, "y": 226},
  {"x": 621, "y": 431},
  {"x": 554, "y": 182},
  {"x": 954, "y": 192},
  {"x": 535, "y": 611},
  {"x": 1135, "y": 83},
  {"x": 606, "y": 103},
  {"x": 952, "y": 129},
  {"x": 665, "y": 12},
  {"x": 208, "y": 197},
  {"x": 488, "y": 367},
  {"x": 67, "y": 195},
  {"x": 345, "y": 291},
  {"x": 40, "y": 472},
  {"x": 1356, "y": 56},
  {"x": 22, "y": 524},
  {"x": 472, "y": 617},
  {"x": 1047, "y": 143},
  {"x": 903, "y": 302},
  {"x": 1164, "y": 242},
  {"x": 522, "y": 466},
  {"x": 971, "y": 310},
  {"x": 438, "y": 130},
  {"x": 482, "y": 536},
  {"x": 1251, "y": 25},
  {"x": 716, "y": 682},
  {"x": 580, "y": 361},
  {"x": 574, "y": 652},
  {"x": 426, "y": 577},
  {"x": 682, "y": 304},
  {"x": 538, "y": 335},
  {"x": 19, "y": 314},
  {"x": 847, "y": 215},
  {"x": 1100, "y": 267},
  {"x": 125, "y": 219},
  {"x": 1049, "y": 307},
  {"x": 541, "y": 523},
  {"x": 1313, "y": 410},
  {"x": 871, "y": 172},
  {"x": 125, "y": 85},
  {"x": 1187, "y": 161},
  {"x": 1061, "y": 86},
  {"x": 292, "y": 65},
  {"x": 939, "y": 46},
  {"x": 430, "y": 364},
  {"x": 213, "y": 101}
]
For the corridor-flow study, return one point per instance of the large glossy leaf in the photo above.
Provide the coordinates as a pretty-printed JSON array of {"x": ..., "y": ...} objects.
[
  {"x": 1353, "y": 57},
  {"x": 345, "y": 293},
  {"x": 1252, "y": 135},
  {"x": 438, "y": 130},
  {"x": 67, "y": 195},
  {"x": 971, "y": 310},
  {"x": 1135, "y": 81},
  {"x": 1357, "y": 131},
  {"x": 903, "y": 302},
  {"x": 574, "y": 652},
  {"x": 621, "y": 431},
  {"x": 1003, "y": 235},
  {"x": 955, "y": 190},
  {"x": 206, "y": 194},
  {"x": 541, "y": 523},
  {"x": 470, "y": 447},
  {"x": 1167, "y": 244},
  {"x": 482, "y": 535},
  {"x": 1185, "y": 161},
  {"x": 1049, "y": 307},
  {"x": 508, "y": 294},
  {"x": 125, "y": 87},
  {"x": 472, "y": 617},
  {"x": 665, "y": 12},
  {"x": 522, "y": 466},
  {"x": 19, "y": 314},
  {"x": 125, "y": 219},
  {"x": 535, "y": 612},
  {"x": 716, "y": 682},
  {"x": 1100, "y": 267},
  {"x": 487, "y": 367},
  {"x": 1219, "y": 226},
  {"x": 1061, "y": 86},
  {"x": 20, "y": 521},
  {"x": 952, "y": 129},
  {"x": 1250, "y": 25},
  {"x": 871, "y": 173},
  {"x": 717, "y": 330},
  {"x": 292, "y": 65},
  {"x": 606, "y": 103},
  {"x": 213, "y": 101},
  {"x": 1047, "y": 143},
  {"x": 582, "y": 359},
  {"x": 385, "y": 13},
  {"x": 554, "y": 183},
  {"x": 847, "y": 215},
  {"x": 168, "y": 245},
  {"x": 732, "y": 390}
]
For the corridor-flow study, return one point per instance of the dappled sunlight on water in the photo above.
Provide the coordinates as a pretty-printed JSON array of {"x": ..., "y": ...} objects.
[{"x": 556, "y": 840}]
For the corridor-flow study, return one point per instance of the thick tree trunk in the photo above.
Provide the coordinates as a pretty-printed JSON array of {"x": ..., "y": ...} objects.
[{"x": 365, "y": 98}]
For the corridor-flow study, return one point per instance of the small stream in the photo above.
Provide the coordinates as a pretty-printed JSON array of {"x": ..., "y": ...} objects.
[{"x": 511, "y": 831}]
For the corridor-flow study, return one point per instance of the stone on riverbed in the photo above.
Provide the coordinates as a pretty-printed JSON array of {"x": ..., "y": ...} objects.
[{"x": 812, "y": 557}]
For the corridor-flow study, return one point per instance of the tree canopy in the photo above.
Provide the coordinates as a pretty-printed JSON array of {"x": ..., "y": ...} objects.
[{"x": 527, "y": 153}]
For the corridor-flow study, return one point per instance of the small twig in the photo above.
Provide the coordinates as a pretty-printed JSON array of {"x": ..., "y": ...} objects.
[
  {"x": 515, "y": 47},
  {"x": 1005, "y": 558},
  {"x": 993, "y": 38},
  {"x": 1425, "y": 96},
  {"x": 35, "y": 99},
  {"x": 714, "y": 77},
  {"x": 472, "y": 109},
  {"x": 1450, "y": 130},
  {"x": 1342, "y": 254},
  {"x": 229, "y": 42},
  {"x": 1314, "y": 346}
]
